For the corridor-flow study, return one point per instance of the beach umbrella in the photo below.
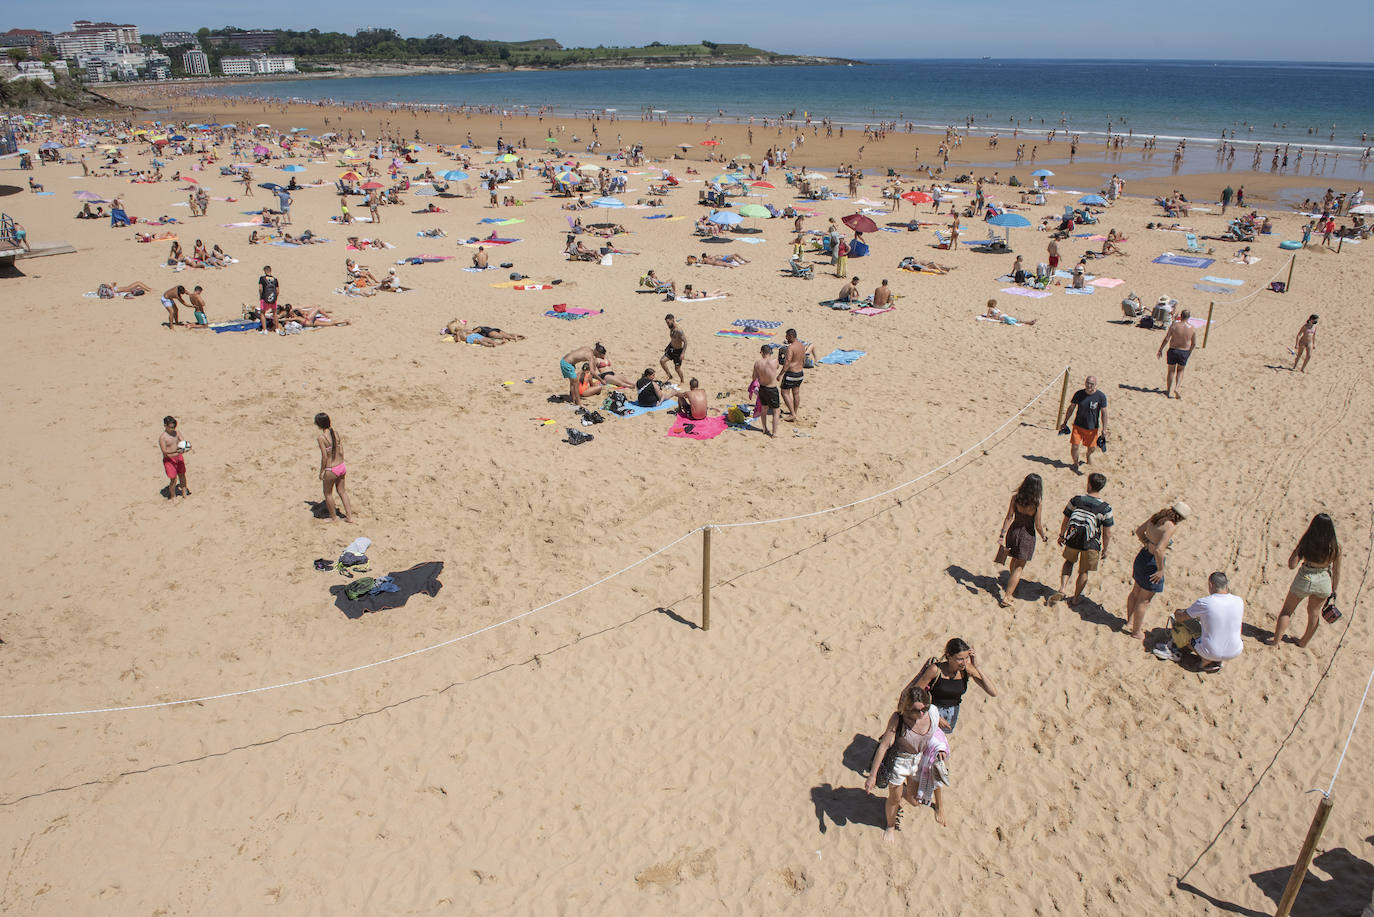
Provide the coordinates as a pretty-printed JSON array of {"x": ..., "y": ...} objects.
[
  {"x": 230, "y": 126},
  {"x": 917, "y": 197},
  {"x": 744, "y": 156},
  {"x": 859, "y": 223},
  {"x": 189, "y": 179},
  {"x": 88, "y": 196},
  {"x": 270, "y": 186},
  {"x": 49, "y": 145},
  {"x": 350, "y": 176},
  {"x": 726, "y": 218},
  {"x": 1096, "y": 199},
  {"x": 178, "y": 138},
  {"x": 761, "y": 184},
  {"x": 754, "y": 212},
  {"x": 372, "y": 185},
  {"x": 813, "y": 176},
  {"x": 299, "y": 130},
  {"x": 260, "y": 150},
  {"x": 589, "y": 167},
  {"x": 454, "y": 175},
  {"x": 1042, "y": 173},
  {"x": 264, "y": 125},
  {"x": 1009, "y": 221},
  {"x": 1363, "y": 208},
  {"x": 507, "y": 157},
  {"x": 608, "y": 202},
  {"x": 293, "y": 168},
  {"x": 684, "y": 146}
]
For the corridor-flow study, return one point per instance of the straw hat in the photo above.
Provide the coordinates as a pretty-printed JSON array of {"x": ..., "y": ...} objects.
[
  {"x": 1163, "y": 300},
  {"x": 1181, "y": 509}
]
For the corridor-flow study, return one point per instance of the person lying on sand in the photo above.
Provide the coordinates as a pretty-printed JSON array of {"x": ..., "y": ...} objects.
[
  {"x": 925, "y": 267},
  {"x": 485, "y": 335},
  {"x": 314, "y": 317},
  {"x": 728, "y": 260},
  {"x": 137, "y": 288},
  {"x": 998, "y": 315},
  {"x": 689, "y": 293}
]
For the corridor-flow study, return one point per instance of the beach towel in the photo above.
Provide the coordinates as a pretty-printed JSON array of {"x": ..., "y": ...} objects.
[
  {"x": 1184, "y": 261},
  {"x": 870, "y": 310},
  {"x": 842, "y": 357},
  {"x": 741, "y": 333},
  {"x": 500, "y": 221},
  {"x": 1226, "y": 280},
  {"x": 694, "y": 298},
  {"x": 1022, "y": 291},
  {"x": 1066, "y": 275},
  {"x": 709, "y": 428},
  {"x": 928, "y": 776},
  {"x": 478, "y": 270},
  {"x": 572, "y": 313},
  {"x": 474, "y": 242},
  {"x": 221, "y": 327},
  {"x": 842, "y": 303},
  {"x": 747, "y": 240},
  {"x": 1198, "y": 322},
  {"x": 1084, "y": 291},
  {"x": 421, "y": 579},
  {"x": 658, "y": 216},
  {"x": 425, "y": 259},
  {"x": 634, "y": 410},
  {"x": 987, "y": 318},
  {"x": 1108, "y": 282},
  {"x": 755, "y": 323},
  {"x": 1213, "y": 288}
]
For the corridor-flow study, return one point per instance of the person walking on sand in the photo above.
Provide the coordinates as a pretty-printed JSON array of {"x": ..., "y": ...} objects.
[
  {"x": 1306, "y": 343},
  {"x": 1085, "y": 534},
  {"x": 677, "y": 346},
  {"x": 793, "y": 373},
  {"x": 1086, "y": 416},
  {"x": 947, "y": 680},
  {"x": 1052, "y": 250},
  {"x": 1226, "y": 195},
  {"x": 1317, "y": 558},
  {"x": 1147, "y": 571},
  {"x": 1179, "y": 340},
  {"x": 918, "y": 764},
  {"x": 767, "y": 372},
  {"x": 174, "y": 450},
  {"x": 332, "y": 468},
  {"x": 1019, "y": 528}
]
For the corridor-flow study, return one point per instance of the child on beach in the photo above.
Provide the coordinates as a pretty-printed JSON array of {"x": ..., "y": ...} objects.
[{"x": 174, "y": 450}]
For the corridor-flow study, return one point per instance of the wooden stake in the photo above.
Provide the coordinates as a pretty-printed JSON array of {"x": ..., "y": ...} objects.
[
  {"x": 1288, "y": 285},
  {"x": 1208, "y": 330},
  {"x": 706, "y": 578},
  {"x": 1309, "y": 847},
  {"x": 1063, "y": 395}
]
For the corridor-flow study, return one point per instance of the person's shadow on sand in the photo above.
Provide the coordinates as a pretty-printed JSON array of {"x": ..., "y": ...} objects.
[
  {"x": 318, "y": 509},
  {"x": 1044, "y": 460},
  {"x": 845, "y": 805}
]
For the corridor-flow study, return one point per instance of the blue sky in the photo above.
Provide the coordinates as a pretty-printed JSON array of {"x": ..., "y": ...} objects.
[{"x": 1174, "y": 29}]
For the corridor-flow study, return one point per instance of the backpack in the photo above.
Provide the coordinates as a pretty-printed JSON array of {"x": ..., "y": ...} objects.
[
  {"x": 1083, "y": 528},
  {"x": 359, "y": 588}
]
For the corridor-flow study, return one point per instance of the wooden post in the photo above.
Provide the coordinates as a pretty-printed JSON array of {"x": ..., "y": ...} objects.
[
  {"x": 1288, "y": 285},
  {"x": 1208, "y": 330},
  {"x": 706, "y": 578},
  {"x": 1063, "y": 395},
  {"x": 1309, "y": 847}
]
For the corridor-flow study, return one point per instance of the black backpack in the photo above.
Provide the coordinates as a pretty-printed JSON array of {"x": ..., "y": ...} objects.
[{"x": 1083, "y": 528}]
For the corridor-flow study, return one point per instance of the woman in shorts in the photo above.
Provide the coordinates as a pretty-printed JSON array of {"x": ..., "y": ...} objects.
[
  {"x": 1147, "y": 572},
  {"x": 915, "y": 731},
  {"x": 1317, "y": 558},
  {"x": 947, "y": 679}
]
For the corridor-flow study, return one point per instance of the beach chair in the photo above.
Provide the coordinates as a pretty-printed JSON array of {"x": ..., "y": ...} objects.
[
  {"x": 1192, "y": 245},
  {"x": 795, "y": 268},
  {"x": 1132, "y": 309}
]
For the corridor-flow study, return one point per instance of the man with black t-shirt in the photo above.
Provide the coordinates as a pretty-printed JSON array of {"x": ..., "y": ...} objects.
[
  {"x": 1088, "y": 412},
  {"x": 268, "y": 288},
  {"x": 1085, "y": 533}
]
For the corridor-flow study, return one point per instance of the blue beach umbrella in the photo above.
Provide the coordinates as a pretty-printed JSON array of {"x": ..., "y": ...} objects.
[
  {"x": 1009, "y": 221},
  {"x": 608, "y": 202},
  {"x": 1043, "y": 173},
  {"x": 726, "y": 218},
  {"x": 454, "y": 175},
  {"x": 293, "y": 168},
  {"x": 177, "y": 138},
  {"x": 1097, "y": 199}
]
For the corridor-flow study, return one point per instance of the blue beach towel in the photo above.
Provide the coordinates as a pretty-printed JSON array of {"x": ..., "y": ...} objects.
[
  {"x": 1184, "y": 261},
  {"x": 1085, "y": 291},
  {"x": 842, "y": 357},
  {"x": 634, "y": 410},
  {"x": 221, "y": 327},
  {"x": 658, "y": 216},
  {"x": 1226, "y": 280},
  {"x": 1213, "y": 288}
]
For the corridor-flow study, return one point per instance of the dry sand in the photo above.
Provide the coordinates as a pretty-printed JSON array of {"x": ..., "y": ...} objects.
[{"x": 603, "y": 755}]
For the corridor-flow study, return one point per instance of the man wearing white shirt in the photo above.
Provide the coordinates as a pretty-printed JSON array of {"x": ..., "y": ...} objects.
[{"x": 1209, "y": 628}]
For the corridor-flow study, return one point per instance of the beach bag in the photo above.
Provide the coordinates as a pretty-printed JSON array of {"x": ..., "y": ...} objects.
[
  {"x": 1082, "y": 529},
  {"x": 1278, "y": 286},
  {"x": 736, "y": 415},
  {"x": 883, "y": 778},
  {"x": 359, "y": 588}
]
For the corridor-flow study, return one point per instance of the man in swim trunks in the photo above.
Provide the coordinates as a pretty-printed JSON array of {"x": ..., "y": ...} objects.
[
  {"x": 882, "y": 296},
  {"x": 1088, "y": 412},
  {"x": 766, "y": 374},
  {"x": 568, "y": 366},
  {"x": 170, "y": 299},
  {"x": 173, "y": 458},
  {"x": 692, "y": 403},
  {"x": 479, "y": 260},
  {"x": 849, "y": 292},
  {"x": 1179, "y": 340},
  {"x": 1053, "y": 252},
  {"x": 794, "y": 361},
  {"x": 677, "y": 346}
]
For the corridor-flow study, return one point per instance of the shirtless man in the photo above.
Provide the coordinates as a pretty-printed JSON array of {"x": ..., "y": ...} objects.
[
  {"x": 170, "y": 300},
  {"x": 882, "y": 296},
  {"x": 766, "y": 374},
  {"x": 794, "y": 362},
  {"x": 568, "y": 366},
  {"x": 1180, "y": 340},
  {"x": 198, "y": 307},
  {"x": 479, "y": 260},
  {"x": 692, "y": 403},
  {"x": 1305, "y": 343},
  {"x": 677, "y": 346},
  {"x": 173, "y": 458},
  {"x": 849, "y": 292}
]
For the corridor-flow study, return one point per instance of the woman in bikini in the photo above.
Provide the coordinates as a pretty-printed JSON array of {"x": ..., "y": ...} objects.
[
  {"x": 948, "y": 678},
  {"x": 1019, "y": 528},
  {"x": 332, "y": 468},
  {"x": 913, "y": 729},
  {"x": 587, "y": 384},
  {"x": 1319, "y": 553},
  {"x": 315, "y": 317},
  {"x": 1147, "y": 571}
]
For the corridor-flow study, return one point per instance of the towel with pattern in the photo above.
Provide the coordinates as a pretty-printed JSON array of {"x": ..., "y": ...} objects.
[
  {"x": 687, "y": 428},
  {"x": 842, "y": 357}
]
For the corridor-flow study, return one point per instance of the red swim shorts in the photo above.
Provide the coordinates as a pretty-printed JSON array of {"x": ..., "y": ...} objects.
[
  {"x": 1082, "y": 437},
  {"x": 174, "y": 465}
]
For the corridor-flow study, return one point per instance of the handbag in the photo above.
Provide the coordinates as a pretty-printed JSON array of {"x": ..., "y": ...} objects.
[{"x": 884, "y": 776}]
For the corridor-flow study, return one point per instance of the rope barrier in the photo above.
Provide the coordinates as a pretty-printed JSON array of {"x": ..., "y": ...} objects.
[
  {"x": 450, "y": 642},
  {"x": 1350, "y": 736},
  {"x": 1263, "y": 288}
]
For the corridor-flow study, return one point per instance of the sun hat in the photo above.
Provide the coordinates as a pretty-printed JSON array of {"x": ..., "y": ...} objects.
[{"x": 1181, "y": 509}]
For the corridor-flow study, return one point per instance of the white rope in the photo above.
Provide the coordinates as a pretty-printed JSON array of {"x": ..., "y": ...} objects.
[
  {"x": 1263, "y": 288},
  {"x": 1358, "y": 711},
  {"x": 904, "y": 484},
  {"x": 610, "y": 576},
  {"x": 356, "y": 668}
]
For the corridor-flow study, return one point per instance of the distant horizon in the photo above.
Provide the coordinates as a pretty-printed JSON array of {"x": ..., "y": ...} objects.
[{"x": 1192, "y": 32}]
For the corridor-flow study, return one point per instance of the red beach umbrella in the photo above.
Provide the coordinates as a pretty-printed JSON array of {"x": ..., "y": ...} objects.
[
  {"x": 859, "y": 223},
  {"x": 761, "y": 184},
  {"x": 372, "y": 185},
  {"x": 917, "y": 197}
]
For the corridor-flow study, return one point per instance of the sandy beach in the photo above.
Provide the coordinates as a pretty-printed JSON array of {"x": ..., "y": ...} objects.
[{"x": 604, "y": 754}]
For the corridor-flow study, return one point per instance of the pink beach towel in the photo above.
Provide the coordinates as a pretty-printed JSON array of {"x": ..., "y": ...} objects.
[
  {"x": 1022, "y": 291},
  {"x": 709, "y": 428},
  {"x": 869, "y": 310},
  {"x": 1108, "y": 282}
]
